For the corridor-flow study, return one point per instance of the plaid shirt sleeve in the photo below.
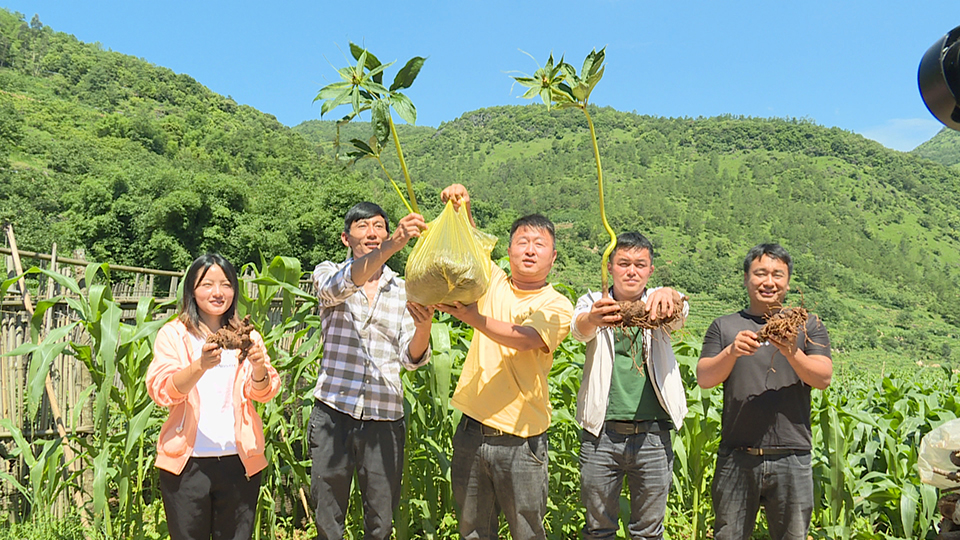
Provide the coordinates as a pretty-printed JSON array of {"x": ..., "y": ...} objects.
[
  {"x": 407, "y": 329},
  {"x": 334, "y": 283}
]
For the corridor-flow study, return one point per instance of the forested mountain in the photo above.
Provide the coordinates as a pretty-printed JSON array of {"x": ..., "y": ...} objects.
[
  {"x": 943, "y": 148},
  {"x": 875, "y": 233},
  {"x": 140, "y": 165},
  {"x": 136, "y": 164}
]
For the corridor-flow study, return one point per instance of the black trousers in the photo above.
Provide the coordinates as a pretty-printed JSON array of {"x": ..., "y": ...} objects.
[
  {"x": 341, "y": 446},
  {"x": 211, "y": 498}
]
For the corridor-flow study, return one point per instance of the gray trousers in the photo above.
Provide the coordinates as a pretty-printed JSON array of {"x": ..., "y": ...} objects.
[
  {"x": 646, "y": 460},
  {"x": 783, "y": 484},
  {"x": 342, "y": 446},
  {"x": 498, "y": 473}
]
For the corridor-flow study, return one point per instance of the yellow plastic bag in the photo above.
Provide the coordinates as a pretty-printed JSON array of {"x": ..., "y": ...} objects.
[{"x": 451, "y": 261}]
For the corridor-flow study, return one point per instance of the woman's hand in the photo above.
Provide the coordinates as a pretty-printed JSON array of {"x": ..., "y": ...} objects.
[
  {"x": 209, "y": 356},
  {"x": 257, "y": 358}
]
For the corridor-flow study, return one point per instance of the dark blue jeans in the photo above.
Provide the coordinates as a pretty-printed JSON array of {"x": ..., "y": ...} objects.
[
  {"x": 494, "y": 473},
  {"x": 646, "y": 459},
  {"x": 341, "y": 446},
  {"x": 783, "y": 484}
]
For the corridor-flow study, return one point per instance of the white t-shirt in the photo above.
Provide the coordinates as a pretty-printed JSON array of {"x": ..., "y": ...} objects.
[{"x": 216, "y": 434}]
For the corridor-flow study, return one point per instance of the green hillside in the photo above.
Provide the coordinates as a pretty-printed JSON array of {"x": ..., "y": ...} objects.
[
  {"x": 138, "y": 165},
  {"x": 943, "y": 148},
  {"x": 875, "y": 233}
]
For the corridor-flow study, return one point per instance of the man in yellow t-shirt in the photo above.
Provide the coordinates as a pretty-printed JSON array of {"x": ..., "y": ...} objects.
[{"x": 500, "y": 447}]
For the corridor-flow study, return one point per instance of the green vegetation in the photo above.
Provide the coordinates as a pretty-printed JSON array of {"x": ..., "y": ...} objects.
[
  {"x": 138, "y": 165},
  {"x": 866, "y": 433},
  {"x": 874, "y": 232},
  {"x": 944, "y": 148},
  {"x": 135, "y": 164},
  {"x": 362, "y": 87}
]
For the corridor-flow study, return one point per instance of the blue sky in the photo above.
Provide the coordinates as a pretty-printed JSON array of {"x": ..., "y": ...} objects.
[{"x": 849, "y": 64}]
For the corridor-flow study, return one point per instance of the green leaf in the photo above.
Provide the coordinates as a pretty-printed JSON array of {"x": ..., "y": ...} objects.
[
  {"x": 407, "y": 74},
  {"x": 136, "y": 426},
  {"x": 546, "y": 94},
  {"x": 380, "y": 118},
  {"x": 404, "y": 108},
  {"x": 100, "y": 489},
  {"x": 25, "y": 452},
  {"x": 908, "y": 510},
  {"x": 377, "y": 90},
  {"x": 24, "y": 490},
  {"x": 40, "y": 362},
  {"x": 528, "y": 81},
  {"x": 90, "y": 275},
  {"x": 331, "y": 91},
  {"x": 532, "y": 92},
  {"x": 355, "y": 99},
  {"x": 361, "y": 146},
  {"x": 357, "y": 50}
]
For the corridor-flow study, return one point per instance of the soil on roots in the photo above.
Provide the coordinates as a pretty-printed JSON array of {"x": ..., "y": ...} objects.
[
  {"x": 784, "y": 326},
  {"x": 235, "y": 335},
  {"x": 634, "y": 314}
]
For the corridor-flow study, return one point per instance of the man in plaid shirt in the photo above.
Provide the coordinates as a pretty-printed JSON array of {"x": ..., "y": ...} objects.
[{"x": 369, "y": 332}]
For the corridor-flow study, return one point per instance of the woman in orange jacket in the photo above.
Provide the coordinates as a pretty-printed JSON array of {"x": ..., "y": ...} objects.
[{"x": 210, "y": 450}]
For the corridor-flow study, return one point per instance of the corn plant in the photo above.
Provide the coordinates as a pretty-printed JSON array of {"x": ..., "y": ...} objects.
[
  {"x": 559, "y": 85},
  {"x": 293, "y": 342},
  {"x": 361, "y": 86},
  {"x": 116, "y": 356},
  {"x": 865, "y": 433},
  {"x": 46, "y": 470},
  {"x": 695, "y": 446},
  {"x": 427, "y": 504}
]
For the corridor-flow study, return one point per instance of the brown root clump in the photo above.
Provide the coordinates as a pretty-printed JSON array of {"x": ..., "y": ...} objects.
[
  {"x": 634, "y": 314},
  {"x": 235, "y": 335},
  {"x": 784, "y": 326}
]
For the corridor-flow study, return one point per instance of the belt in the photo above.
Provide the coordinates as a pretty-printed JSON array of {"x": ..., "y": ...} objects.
[
  {"x": 484, "y": 430},
  {"x": 769, "y": 451},
  {"x": 622, "y": 427}
]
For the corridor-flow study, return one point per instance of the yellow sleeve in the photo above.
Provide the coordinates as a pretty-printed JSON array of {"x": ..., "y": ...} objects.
[{"x": 551, "y": 321}]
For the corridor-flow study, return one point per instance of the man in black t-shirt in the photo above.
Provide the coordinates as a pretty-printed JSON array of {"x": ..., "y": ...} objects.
[{"x": 764, "y": 455}]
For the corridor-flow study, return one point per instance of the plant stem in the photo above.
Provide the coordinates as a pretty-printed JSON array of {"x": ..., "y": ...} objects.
[
  {"x": 603, "y": 213},
  {"x": 403, "y": 165},
  {"x": 395, "y": 186}
]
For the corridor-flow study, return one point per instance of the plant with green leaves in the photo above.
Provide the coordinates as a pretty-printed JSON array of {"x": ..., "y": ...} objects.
[
  {"x": 361, "y": 86},
  {"x": 559, "y": 85},
  {"x": 294, "y": 345},
  {"x": 116, "y": 351}
]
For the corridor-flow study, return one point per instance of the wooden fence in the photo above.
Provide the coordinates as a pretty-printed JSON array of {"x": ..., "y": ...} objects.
[{"x": 69, "y": 376}]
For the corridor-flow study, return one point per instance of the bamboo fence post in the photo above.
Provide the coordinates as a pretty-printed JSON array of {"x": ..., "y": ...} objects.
[{"x": 68, "y": 455}]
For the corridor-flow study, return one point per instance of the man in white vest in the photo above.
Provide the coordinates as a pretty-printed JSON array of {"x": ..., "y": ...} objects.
[{"x": 631, "y": 397}]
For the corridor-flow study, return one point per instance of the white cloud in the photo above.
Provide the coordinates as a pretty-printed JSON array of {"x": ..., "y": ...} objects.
[{"x": 903, "y": 134}]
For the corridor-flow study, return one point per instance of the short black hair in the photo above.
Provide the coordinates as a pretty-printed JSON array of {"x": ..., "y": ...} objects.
[
  {"x": 774, "y": 251},
  {"x": 364, "y": 210},
  {"x": 534, "y": 221},
  {"x": 189, "y": 312},
  {"x": 633, "y": 240}
]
